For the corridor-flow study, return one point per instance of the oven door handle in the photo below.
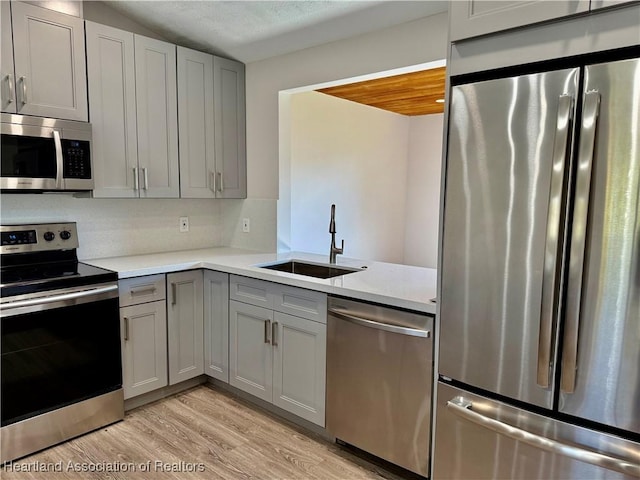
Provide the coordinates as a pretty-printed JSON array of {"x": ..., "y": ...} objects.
[{"x": 66, "y": 299}]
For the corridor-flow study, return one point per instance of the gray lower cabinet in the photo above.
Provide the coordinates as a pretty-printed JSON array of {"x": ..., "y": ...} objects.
[
  {"x": 276, "y": 356},
  {"x": 216, "y": 325},
  {"x": 143, "y": 327},
  {"x": 185, "y": 325},
  {"x": 299, "y": 366},
  {"x": 250, "y": 351}
]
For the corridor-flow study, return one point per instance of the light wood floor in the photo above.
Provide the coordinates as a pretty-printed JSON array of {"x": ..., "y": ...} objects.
[{"x": 211, "y": 431}]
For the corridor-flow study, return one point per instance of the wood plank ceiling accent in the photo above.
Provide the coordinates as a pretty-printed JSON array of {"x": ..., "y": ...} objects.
[{"x": 408, "y": 94}]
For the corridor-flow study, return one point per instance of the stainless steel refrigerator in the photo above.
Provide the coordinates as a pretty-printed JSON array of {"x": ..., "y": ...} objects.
[{"x": 539, "y": 354}]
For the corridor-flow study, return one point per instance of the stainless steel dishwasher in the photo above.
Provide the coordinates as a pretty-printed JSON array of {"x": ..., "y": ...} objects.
[{"x": 379, "y": 377}]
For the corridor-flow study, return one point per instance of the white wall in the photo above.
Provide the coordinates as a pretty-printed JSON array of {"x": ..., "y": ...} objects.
[
  {"x": 423, "y": 191},
  {"x": 412, "y": 43},
  {"x": 355, "y": 157},
  {"x": 382, "y": 170}
]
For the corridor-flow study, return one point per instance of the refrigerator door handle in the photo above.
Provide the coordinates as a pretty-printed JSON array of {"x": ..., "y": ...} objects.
[
  {"x": 463, "y": 408},
  {"x": 578, "y": 240},
  {"x": 548, "y": 310}
]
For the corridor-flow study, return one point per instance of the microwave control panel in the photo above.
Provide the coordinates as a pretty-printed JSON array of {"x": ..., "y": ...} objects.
[{"x": 77, "y": 161}]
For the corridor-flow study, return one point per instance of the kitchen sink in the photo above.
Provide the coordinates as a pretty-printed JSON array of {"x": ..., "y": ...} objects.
[{"x": 317, "y": 270}]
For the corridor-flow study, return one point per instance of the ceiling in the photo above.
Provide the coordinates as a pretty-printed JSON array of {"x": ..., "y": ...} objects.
[
  {"x": 408, "y": 94},
  {"x": 250, "y": 31}
]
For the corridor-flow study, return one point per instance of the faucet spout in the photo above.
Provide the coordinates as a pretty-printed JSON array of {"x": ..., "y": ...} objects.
[{"x": 333, "y": 251}]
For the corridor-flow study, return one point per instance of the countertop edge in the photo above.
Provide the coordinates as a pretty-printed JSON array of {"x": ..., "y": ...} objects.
[{"x": 242, "y": 262}]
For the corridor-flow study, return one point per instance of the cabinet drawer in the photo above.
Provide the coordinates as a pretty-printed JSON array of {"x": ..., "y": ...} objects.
[
  {"x": 141, "y": 290},
  {"x": 300, "y": 302},
  {"x": 282, "y": 298},
  {"x": 250, "y": 290}
]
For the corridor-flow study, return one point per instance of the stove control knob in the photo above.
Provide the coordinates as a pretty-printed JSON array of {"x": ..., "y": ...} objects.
[
  {"x": 49, "y": 236},
  {"x": 65, "y": 235}
]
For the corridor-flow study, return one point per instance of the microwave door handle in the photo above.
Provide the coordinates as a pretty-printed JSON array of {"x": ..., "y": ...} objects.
[
  {"x": 550, "y": 273},
  {"x": 59, "y": 161},
  {"x": 578, "y": 240}
]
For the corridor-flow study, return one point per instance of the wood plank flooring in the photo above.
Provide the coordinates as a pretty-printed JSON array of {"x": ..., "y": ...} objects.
[{"x": 199, "y": 433}]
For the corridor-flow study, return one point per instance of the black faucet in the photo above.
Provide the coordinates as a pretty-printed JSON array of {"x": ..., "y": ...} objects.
[{"x": 332, "y": 230}]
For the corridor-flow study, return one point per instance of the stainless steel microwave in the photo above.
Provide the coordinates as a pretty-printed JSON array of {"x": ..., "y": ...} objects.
[{"x": 45, "y": 154}]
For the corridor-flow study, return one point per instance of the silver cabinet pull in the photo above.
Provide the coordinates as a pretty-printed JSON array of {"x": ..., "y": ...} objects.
[
  {"x": 220, "y": 181},
  {"x": 413, "y": 332},
  {"x": 23, "y": 85},
  {"x": 126, "y": 329},
  {"x": 578, "y": 240},
  {"x": 149, "y": 290},
  {"x": 212, "y": 181},
  {"x": 173, "y": 294},
  {"x": 555, "y": 217},
  {"x": 145, "y": 175},
  {"x": 136, "y": 179},
  {"x": 10, "y": 94},
  {"x": 463, "y": 408},
  {"x": 274, "y": 334},
  {"x": 59, "y": 159},
  {"x": 267, "y": 330}
]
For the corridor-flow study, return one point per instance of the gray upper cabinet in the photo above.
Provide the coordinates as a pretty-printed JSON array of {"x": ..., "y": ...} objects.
[
  {"x": 7, "y": 88},
  {"x": 472, "y": 18},
  {"x": 229, "y": 128},
  {"x": 157, "y": 118},
  {"x": 112, "y": 84},
  {"x": 49, "y": 60},
  {"x": 195, "y": 120},
  {"x": 133, "y": 99},
  {"x": 211, "y": 114}
]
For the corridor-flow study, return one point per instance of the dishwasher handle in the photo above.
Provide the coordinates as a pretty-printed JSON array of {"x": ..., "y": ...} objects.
[{"x": 346, "y": 315}]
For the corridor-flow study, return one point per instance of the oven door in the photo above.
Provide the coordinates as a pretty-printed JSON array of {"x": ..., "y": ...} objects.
[
  {"x": 58, "y": 350},
  {"x": 31, "y": 157}
]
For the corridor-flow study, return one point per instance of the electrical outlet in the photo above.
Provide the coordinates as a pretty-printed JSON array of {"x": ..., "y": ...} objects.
[
  {"x": 246, "y": 225},
  {"x": 184, "y": 224}
]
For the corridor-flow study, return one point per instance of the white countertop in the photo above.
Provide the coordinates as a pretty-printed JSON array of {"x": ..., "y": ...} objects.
[{"x": 386, "y": 283}]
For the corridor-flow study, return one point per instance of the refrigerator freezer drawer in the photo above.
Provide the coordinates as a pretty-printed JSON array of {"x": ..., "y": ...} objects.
[{"x": 465, "y": 449}]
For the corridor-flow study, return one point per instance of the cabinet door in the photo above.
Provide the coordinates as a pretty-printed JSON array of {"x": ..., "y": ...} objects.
[
  {"x": 144, "y": 348},
  {"x": 185, "y": 325},
  {"x": 299, "y": 366},
  {"x": 49, "y": 63},
  {"x": 195, "y": 123},
  {"x": 250, "y": 351},
  {"x": 216, "y": 325},
  {"x": 7, "y": 90},
  {"x": 112, "y": 83},
  {"x": 471, "y": 18},
  {"x": 157, "y": 118},
  {"x": 230, "y": 130}
]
